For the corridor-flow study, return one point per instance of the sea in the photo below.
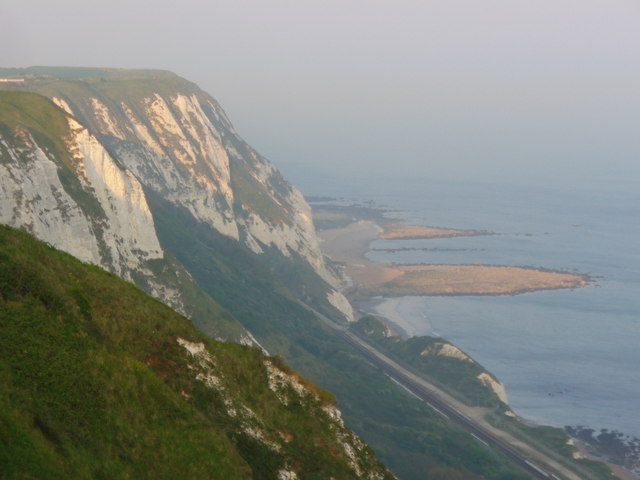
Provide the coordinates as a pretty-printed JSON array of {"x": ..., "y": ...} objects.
[{"x": 566, "y": 357}]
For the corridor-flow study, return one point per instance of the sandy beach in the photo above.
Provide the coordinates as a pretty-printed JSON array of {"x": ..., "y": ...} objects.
[{"x": 349, "y": 245}]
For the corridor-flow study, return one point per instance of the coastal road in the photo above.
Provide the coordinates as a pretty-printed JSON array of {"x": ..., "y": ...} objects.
[{"x": 533, "y": 462}]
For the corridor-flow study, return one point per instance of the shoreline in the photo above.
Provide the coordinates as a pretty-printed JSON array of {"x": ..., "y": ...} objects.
[
  {"x": 348, "y": 245},
  {"x": 389, "y": 313}
]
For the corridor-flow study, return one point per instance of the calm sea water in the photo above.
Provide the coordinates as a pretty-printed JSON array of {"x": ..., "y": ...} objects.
[{"x": 566, "y": 357}]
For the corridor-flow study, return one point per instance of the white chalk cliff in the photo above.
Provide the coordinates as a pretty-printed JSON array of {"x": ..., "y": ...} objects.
[
  {"x": 188, "y": 155},
  {"x": 119, "y": 234},
  {"x": 160, "y": 134}
]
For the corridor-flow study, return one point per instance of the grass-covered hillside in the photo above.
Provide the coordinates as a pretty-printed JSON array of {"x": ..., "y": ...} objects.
[
  {"x": 436, "y": 359},
  {"x": 39, "y": 116},
  {"x": 98, "y": 380},
  {"x": 412, "y": 439}
]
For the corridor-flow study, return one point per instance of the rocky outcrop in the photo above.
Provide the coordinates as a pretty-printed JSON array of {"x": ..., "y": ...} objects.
[
  {"x": 497, "y": 387},
  {"x": 97, "y": 377},
  {"x": 446, "y": 350}
]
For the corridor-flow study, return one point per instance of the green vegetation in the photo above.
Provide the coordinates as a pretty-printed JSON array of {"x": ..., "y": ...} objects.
[
  {"x": 95, "y": 384},
  {"x": 25, "y": 113},
  {"x": 423, "y": 355},
  {"x": 458, "y": 377},
  {"x": 37, "y": 114},
  {"x": 252, "y": 197},
  {"x": 326, "y": 216},
  {"x": 124, "y": 360},
  {"x": 555, "y": 442},
  {"x": 204, "y": 312},
  {"x": 407, "y": 435}
]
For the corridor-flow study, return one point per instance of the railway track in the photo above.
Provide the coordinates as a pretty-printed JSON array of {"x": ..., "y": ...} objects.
[{"x": 419, "y": 388}]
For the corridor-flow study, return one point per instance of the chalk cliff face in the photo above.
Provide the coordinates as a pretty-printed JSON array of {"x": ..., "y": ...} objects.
[
  {"x": 60, "y": 183},
  {"x": 113, "y": 227},
  {"x": 179, "y": 143},
  {"x": 134, "y": 131}
]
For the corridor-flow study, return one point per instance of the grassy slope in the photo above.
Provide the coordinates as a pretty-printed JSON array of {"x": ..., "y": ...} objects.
[
  {"x": 94, "y": 384},
  {"x": 37, "y": 114},
  {"x": 457, "y": 376},
  {"x": 407, "y": 435}
]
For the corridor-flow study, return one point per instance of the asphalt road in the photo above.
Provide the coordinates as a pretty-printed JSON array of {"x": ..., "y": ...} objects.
[{"x": 421, "y": 389}]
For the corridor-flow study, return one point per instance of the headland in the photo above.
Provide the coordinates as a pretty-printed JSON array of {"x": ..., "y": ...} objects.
[{"x": 349, "y": 244}]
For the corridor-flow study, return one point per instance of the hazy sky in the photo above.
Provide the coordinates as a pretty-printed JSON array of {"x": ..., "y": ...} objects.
[{"x": 508, "y": 89}]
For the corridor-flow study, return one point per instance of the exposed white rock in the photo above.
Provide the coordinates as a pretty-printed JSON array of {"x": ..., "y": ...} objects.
[
  {"x": 352, "y": 458},
  {"x": 209, "y": 380},
  {"x": 32, "y": 197},
  {"x": 128, "y": 229},
  {"x": 183, "y": 147},
  {"x": 192, "y": 172},
  {"x": 221, "y": 116},
  {"x": 205, "y": 363},
  {"x": 167, "y": 130},
  {"x": 497, "y": 387},
  {"x": 250, "y": 341},
  {"x": 446, "y": 350},
  {"x": 280, "y": 382},
  {"x": 208, "y": 139},
  {"x": 339, "y": 301},
  {"x": 231, "y": 410},
  {"x": 197, "y": 350},
  {"x": 204, "y": 367},
  {"x": 354, "y": 450},
  {"x": 192, "y": 141},
  {"x": 108, "y": 224},
  {"x": 107, "y": 123},
  {"x": 309, "y": 246},
  {"x": 259, "y": 435},
  {"x": 168, "y": 295},
  {"x": 334, "y": 414},
  {"x": 576, "y": 454},
  {"x": 141, "y": 131},
  {"x": 186, "y": 159},
  {"x": 63, "y": 105},
  {"x": 287, "y": 475}
]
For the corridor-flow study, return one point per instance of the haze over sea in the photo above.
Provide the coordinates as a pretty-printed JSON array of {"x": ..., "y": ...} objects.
[{"x": 565, "y": 357}]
